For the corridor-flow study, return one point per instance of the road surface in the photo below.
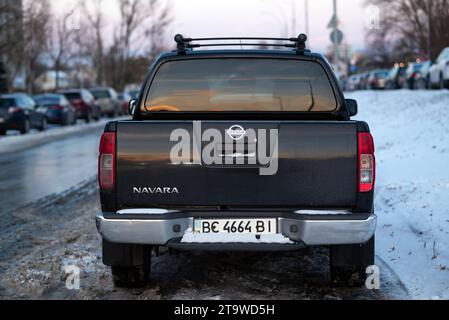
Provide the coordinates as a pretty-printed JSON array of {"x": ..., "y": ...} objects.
[
  {"x": 49, "y": 197},
  {"x": 32, "y": 174}
]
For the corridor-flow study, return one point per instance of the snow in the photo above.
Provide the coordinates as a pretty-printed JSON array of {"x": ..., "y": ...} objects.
[
  {"x": 411, "y": 133},
  {"x": 14, "y": 142}
]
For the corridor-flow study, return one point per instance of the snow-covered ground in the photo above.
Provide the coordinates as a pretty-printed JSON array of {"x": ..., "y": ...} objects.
[
  {"x": 14, "y": 141},
  {"x": 411, "y": 133}
]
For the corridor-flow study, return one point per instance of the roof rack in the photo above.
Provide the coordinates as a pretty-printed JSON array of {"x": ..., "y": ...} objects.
[{"x": 184, "y": 44}]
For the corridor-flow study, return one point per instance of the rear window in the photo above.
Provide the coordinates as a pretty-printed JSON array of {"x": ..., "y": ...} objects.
[
  {"x": 47, "y": 101},
  {"x": 101, "y": 94},
  {"x": 6, "y": 103},
  {"x": 72, "y": 96},
  {"x": 269, "y": 85}
]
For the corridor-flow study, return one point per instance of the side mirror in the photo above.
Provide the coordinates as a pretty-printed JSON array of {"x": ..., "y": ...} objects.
[
  {"x": 132, "y": 107},
  {"x": 351, "y": 106}
]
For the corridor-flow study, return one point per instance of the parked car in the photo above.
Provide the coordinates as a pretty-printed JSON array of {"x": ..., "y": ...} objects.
[
  {"x": 439, "y": 72},
  {"x": 396, "y": 77},
  {"x": 124, "y": 99},
  {"x": 377, "y": 79},
  {"x": 18, "y": 112},
  {"x": 155, "y": 192},
  {"x": 363, "y": 82},
  {"x": 411, "y": 73},
  {"x": 56, "y": 108},
  {"x": 84, "y": 103},
  {"x": 107, "y": 100},
  {"x": 133, "y": 93},
  {"x": 422, "y": 80},
  {"x": 353, "y": 82}
]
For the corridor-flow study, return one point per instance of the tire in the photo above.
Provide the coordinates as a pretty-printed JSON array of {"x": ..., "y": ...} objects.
[
  {"x": 65, "y": 121},
  {"x": 88, "y": 118},
  {"x": 26, "y": 127},
  {"x": 2, "y": 132},
  {"x": 133, "y": 276},
  {"x": 44, "y": 124},
  {"x": 113, "y": 114},
  {"x": 441, "y": 83},
  {"x": 348, "y": 263},
  {"x": 420, "y": 84}
]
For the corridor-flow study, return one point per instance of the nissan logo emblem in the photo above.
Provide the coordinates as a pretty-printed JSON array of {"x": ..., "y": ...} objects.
[{"x": 236, "y": 132}]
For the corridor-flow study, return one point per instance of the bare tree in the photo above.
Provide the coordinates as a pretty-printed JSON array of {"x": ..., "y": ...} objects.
[
  {"x": 11, "y": 43},
  {"x": 60, "y": 46},
  {"x": 94, "y": 35},
  {"x": 140, "y": 32},
  {"x": 410, "y": 28},
  {"x": 36, "y": 30},
  {"x": 156, "y": 30}
]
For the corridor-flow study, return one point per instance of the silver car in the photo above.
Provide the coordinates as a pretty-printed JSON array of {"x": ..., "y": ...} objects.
[{"x": 107, "y": 100}]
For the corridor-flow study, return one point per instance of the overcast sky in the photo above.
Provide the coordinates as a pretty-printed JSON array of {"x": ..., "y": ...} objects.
[{"x": 199, "y": 18}]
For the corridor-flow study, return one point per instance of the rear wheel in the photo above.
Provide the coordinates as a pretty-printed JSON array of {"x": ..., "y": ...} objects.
[
  {"x": 130, "y": 264},
  {"x": 88, "y": 117},
  {"x": 131, "y": 276},
  {"x": 441, "y": 83},
  {"x": 348, "y": 263},
  {"x": 44, "y": 124},
  {"x": 26, "y": 127},
  {"x": 2, "y": 132}
]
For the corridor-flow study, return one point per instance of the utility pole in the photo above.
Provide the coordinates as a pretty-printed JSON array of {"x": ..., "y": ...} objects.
[{"x": 335, "y": 27}]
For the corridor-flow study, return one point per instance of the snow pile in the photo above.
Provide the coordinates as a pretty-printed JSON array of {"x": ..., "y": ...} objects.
[
  {"x": 17, "y": 142},
  {"x": 411, "y": 133}
]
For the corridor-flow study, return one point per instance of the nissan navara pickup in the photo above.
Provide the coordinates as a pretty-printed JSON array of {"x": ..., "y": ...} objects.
[{"x": 237, "y": 149}]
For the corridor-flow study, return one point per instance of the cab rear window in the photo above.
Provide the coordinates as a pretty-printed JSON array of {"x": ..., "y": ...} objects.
[
  {"x": 6, "y": 103},
  {"x": 238, "y": 84}
]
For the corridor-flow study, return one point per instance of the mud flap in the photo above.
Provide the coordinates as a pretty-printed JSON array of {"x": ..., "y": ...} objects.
[{"x": 124, "y": 255}]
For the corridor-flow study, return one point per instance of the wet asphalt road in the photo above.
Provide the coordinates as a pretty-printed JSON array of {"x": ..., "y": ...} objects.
[
  {"x": 46, "y": 227},
  {"x": 35, "y": 173}
]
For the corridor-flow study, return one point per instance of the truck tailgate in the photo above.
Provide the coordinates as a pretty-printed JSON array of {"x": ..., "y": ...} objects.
[{"x": 317, "y": 168}]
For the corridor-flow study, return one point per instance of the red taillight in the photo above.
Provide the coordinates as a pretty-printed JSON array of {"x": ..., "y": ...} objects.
[
  {"x": 367, "y": 162},
  {"x": 106, "y": 162},
  {"x": 14, "y": 109},
  {"x": 57, "y": 107}
]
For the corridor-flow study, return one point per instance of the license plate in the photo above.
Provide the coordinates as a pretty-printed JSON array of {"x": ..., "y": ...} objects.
[{"x": 235, "y": 226}]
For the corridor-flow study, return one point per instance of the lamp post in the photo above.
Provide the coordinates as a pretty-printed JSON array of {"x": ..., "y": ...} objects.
[{"x": 335, "y": 41}]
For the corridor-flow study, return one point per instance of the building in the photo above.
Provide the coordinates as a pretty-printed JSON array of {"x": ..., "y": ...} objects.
[{"x": 53, "y": 80}]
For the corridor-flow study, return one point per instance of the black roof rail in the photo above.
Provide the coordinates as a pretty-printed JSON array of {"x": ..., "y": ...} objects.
[{"x": 184, "y": 44}]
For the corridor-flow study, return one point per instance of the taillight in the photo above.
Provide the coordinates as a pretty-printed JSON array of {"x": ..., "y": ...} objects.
[
  {"x": 367, "y": 162},
  {"x": 106, "y": 162},
  {"x": 57, "y": 107},
  {"x": 14, "y": 109}
]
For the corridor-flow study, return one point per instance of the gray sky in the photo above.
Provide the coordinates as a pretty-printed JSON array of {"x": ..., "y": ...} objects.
[
  {"x": 199, "y": 18},
  {"x": 264, "y": 18}
]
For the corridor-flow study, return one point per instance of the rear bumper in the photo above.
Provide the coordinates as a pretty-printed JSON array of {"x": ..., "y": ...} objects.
[{"x": 164, "y": 229}]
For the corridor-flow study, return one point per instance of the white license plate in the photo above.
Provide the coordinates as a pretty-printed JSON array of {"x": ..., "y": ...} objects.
[{"x": 236, "y": 226}]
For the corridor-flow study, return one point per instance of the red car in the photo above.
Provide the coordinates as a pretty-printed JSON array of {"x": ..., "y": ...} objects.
[{"x": 84, "y": 103}]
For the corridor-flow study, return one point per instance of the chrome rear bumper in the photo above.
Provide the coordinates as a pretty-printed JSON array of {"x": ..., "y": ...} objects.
[{"x": 157, "y": 229}]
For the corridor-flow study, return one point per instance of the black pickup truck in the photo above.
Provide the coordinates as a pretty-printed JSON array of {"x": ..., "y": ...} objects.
[{"x": 237, "y": 150}]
